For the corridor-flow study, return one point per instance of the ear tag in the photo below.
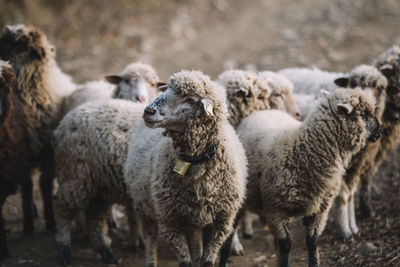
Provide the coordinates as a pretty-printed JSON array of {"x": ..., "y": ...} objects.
[
  {"x": 210, "y": 110},
  {"x": 181, "y": 166},
  {"x": 265, "y": 227}
]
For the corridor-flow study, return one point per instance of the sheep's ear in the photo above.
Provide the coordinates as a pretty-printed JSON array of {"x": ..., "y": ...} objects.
[
  {"x": 344, "y": 108},
  {"x": 161, "y": 84},
  {"x": 163, "y": 88},
  {"x": 114, "y": 79},
  {"x": 342, "y": 81},
  {"x": 208, "y": 107},
  {"x": 386, "y": 70}
]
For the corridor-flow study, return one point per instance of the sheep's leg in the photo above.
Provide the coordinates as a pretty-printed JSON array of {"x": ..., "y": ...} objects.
[
  {"x": 65, "y": 218},
  {"x": 219, "y": 233},
  {"x": 342, "y": 214},
  {"x": 310, "y": 223},
  {"x": 135, "y": 227},
  {"x": 195, "y": 241},
  {"x": 3, "y": 238},
  {"x": 175, "y": 238},
  {"x": 365, "y": 197},
  {"x": 47, "y": 168},
  {"x": 352, "y": 215},
  {"x": 283, "y": 242},
  {"x": 237, "y": 247},
  {"x": 96, "y": 220},
  {"x": 151, "y": 233},
  {"x": 27, "y": 202},
  {"x": 247, "y": 225},
  {"x": 226, "y": 249}
]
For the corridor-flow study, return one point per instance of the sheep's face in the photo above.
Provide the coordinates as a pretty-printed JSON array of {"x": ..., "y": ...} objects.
[
  {"x": 357, "y": 120},
  {"x": 134, "y": 88},
  {"x": 7, "y": 78},
  {"x": 392, "y": 73},
  {"x": 23, "y": 43},
  {"x": 172, "y": 111},
  {"x": 283, "y": 100}
]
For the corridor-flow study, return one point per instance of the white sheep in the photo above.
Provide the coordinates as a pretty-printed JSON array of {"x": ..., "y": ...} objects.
[
  {"x": 295, "y": 168},
  {"x": 187, "y": 179},
  {"x": 137, "y": 82},
  {"x": 91, "y": 144}
]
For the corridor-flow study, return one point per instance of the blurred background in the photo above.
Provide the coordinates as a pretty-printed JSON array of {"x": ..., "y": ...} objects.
[
  {"x": 98, "y": 37},
  {"x": 95, "y": 37}
]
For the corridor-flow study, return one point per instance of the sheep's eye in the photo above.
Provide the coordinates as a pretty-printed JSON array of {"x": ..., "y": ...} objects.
[
  {"x": 278, "y": 95},
  {"x": 190, "y": 101}
]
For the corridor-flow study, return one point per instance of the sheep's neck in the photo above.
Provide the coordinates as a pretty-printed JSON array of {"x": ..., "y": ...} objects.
[
  {"x": 196, "y": 138},
  {"x": 31, "y": 75}
]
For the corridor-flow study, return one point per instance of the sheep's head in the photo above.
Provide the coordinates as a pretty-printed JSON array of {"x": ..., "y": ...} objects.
[
  {"x": 24, "y": 44},
  {"x": 242, "y": 92},
  {"x": 189, "y": 98},
  {"x": 353, "y": 110},
  {"x": 281, "y": 96},
  {"x": 240, "y": 85},
  {"x": 7, "y": 80},
  {"x": 138, "y": 82},
  {"x": 366, "y": 77},
  {"x": 389, "y": 65}
]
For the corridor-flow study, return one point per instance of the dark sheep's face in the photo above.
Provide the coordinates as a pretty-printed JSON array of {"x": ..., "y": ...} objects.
[
  {"x": 392, "y": 107},
  {"x": 172, "y": 111},
  {"x": 24, "y": 43},
  {"x": 360, "y": 121}
]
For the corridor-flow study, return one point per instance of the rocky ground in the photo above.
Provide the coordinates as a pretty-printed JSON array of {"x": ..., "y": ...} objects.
[{"x": 94, "y": 38}]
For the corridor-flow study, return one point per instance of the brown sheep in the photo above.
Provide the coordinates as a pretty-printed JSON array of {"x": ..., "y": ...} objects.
[
  {"x": 42, "y": 87},
  {"x": 14, "y": 153}
]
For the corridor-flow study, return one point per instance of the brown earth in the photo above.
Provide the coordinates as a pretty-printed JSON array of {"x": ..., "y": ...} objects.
[{"x": 94, "y": 38}]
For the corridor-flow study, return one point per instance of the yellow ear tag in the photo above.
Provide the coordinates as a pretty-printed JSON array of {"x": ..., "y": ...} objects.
[
  {"x": 181, "y": 166},
  {"x": 209, "y": 110},
  {"x": 265, "y": 227}
]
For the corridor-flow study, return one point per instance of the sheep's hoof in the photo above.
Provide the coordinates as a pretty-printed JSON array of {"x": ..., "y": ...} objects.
[
  {"x": 185, "y": 264},
  {"x": 313, "y": 265},
  {"x": 247, "y": 236},
  {"x": 208, "y": 264},
  {"x": 65, "y": 254},
  {"x": 150, "y": 265},
  {"x": 107, "y": 256}
]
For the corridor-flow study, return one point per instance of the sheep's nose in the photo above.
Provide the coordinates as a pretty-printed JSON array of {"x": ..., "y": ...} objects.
[
  {"x": 140, "y": 99},
  {"x": 297, "y": 115},
  {"x": 149, "y": 111}
]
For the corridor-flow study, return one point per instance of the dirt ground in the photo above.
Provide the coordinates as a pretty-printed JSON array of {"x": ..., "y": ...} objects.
[{"x": 94, "y": 38}]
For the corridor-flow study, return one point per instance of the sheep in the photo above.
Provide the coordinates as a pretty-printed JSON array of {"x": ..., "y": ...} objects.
[
  {"x": 90, "y": 146},
  {"x": 137, "y": 82},
  {"x": 248, "y": 92},
  {"x": 389, "y": 64},
  {"x": 371, "y": 81},
  {"x": 187, "y": 179},
  {"x": 316, "y": 84},
  {"x": 311, "y": 81},
  {"x": 281, "y": 97},
  {"x": 295, "y": 168},
  {"x": 245, "y": 94},
  {"x": 42, "y": 87},
  {"x": 14, "y": 153}
]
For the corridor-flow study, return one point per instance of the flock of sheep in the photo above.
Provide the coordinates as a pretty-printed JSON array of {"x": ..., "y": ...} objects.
[{"x": 193, "y": 164}]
